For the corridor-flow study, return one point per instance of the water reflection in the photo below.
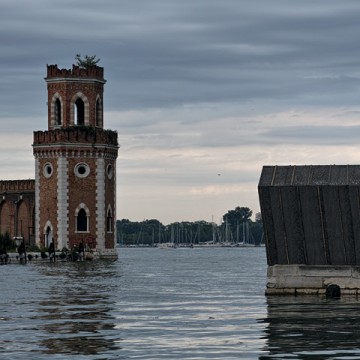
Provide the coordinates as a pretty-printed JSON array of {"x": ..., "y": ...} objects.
[
  {"x": 76, "y": 312},
  {"x": 312, "y": 328}
]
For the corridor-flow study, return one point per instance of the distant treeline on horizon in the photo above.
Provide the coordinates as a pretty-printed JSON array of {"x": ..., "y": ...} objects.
[{"x": 237, "y": 227}]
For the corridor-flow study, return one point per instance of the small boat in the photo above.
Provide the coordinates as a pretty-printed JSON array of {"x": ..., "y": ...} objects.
[{"x": 167, "y": 245}]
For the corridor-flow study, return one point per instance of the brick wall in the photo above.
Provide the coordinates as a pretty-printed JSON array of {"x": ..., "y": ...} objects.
[{"x": 17, "y": 202}]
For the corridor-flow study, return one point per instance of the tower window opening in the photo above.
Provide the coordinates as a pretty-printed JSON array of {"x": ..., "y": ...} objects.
[
  {"x": 109, "y": 221},
  {"x": 109, "y": 171},
  {"x": 81, "y": 221},
  {"x": 48, "y": 236},
  {"x": 48, "y": 170},
  {"x": 79, "y": 112},
  {"x": 57, "y": 112},
  {"x": 82, "y": 170}
]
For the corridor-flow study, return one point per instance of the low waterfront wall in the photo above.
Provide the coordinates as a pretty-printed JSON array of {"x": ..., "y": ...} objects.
[
  {"x": 14, "y": 258},
  {"x": 312, "y": 280}
]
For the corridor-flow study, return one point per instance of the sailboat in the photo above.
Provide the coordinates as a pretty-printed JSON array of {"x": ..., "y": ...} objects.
[
  {"x": 246, "y": 236},
  {"x": 170, "y": 244}
]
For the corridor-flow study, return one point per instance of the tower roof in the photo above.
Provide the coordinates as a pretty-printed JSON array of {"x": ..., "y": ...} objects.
[{"x": 76, "y": 73}]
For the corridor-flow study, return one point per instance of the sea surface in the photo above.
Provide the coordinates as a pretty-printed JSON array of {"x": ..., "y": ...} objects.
[{"x": 201, "y": 303}]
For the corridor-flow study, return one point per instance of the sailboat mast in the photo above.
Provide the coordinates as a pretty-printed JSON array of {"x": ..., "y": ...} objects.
[{"x": 243, "y": 228}]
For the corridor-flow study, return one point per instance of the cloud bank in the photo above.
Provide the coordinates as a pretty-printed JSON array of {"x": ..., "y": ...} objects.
[{"x": 202, "y": 94}]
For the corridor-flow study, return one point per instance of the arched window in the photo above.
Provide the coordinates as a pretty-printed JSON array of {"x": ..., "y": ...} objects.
[
  {"x": 109, "y": 222},
  {"x": 79, "y": 112},
  {"x": 57, "y": 112},
  {"x": 98, "y": 113},
  {"x": 48, "y": 234},
  {"x": 81, "y": 221}
]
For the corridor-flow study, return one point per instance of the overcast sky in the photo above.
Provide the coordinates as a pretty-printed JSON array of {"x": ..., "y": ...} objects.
[{"x": 202, "y": 93}]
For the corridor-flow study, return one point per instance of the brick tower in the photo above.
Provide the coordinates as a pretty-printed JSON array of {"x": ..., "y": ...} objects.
[{"x": 75, "y": 165}]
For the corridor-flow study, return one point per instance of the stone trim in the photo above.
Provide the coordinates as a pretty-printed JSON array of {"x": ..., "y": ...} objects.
[
  {"x": 114, "y": 206},
  {"x": 100, "y": 201},
  {"x": 62, "y": 202},
  {"x": 37, "y": 202}
]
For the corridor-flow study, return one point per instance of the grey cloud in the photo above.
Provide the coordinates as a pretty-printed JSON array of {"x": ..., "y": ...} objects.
[
  {"x": 315, "y": 135},
  {"x": 167, "y": 53},
  {"x": 230, "y": 59}
]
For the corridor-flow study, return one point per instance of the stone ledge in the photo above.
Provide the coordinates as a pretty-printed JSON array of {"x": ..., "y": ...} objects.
[
  {"x": 312, "y": 280},
  {"x": 106, "y": 254}
]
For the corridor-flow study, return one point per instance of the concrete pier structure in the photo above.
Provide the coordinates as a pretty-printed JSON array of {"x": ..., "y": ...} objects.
[{"x": 311, "y": 218}]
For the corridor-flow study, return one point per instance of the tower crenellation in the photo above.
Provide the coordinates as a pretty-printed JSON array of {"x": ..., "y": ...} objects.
[
  {"x": 78, "y": 134},
  {"x": 93, "y": 72}
]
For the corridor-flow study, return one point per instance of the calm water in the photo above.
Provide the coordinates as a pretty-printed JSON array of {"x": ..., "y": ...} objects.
[{"x": 167, "y": 304}]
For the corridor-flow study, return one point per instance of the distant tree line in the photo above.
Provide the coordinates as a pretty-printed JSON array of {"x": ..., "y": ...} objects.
[{"x": 236, "y": 227}]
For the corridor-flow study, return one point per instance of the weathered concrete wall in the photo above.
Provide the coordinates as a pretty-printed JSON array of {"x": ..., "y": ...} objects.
[{"x": 312, "y": 280}]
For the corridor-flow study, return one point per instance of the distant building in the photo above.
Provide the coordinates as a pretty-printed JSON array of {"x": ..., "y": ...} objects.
[{"x": 73, "y": 196}]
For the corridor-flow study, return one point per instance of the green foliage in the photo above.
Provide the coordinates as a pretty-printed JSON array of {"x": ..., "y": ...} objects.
[
  {"x": 239, "y": 215},
  {"x": 87, "y": 61},
  {"x": 6, "y": 242},
  {"x": 33, "y": 248},
  {"x": 241, "y": 227}
]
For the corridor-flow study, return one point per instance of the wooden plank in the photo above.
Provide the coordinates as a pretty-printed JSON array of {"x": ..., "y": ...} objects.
[
  {"x": 293, "y": 225},
  {"x": 353, "y": 175},
  {"x": 283, "y": 175},
  {"x": 302, "y": 174},
  {"x": 347, "y": 224},
  {"x": 266, "y": 176},
  {"x": 268, "y": 224},
  {"x": 279, "y": 227},
  {"x": 314, "y": 237},
  {"x": 354, "y": 199},
  {"x": 333, "y": 225},
  {"x": 338, "y": 175},
  {"x": 320, "y": 175}
]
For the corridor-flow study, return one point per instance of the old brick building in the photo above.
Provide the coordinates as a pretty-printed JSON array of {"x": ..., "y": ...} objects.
[
  {"x": 73, "y": 196},
  {"x": 17, "y": 209}
]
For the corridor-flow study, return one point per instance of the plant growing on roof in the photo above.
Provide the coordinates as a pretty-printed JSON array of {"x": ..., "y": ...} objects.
[{"x": 87, "y": 61}]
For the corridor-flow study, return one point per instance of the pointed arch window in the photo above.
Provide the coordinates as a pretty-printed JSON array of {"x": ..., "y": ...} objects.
[
  {"x": 48, "y": 234},
  {"x": 58, "y": 112},
  {"x": 79, "y": 112},
  {"x": 82, "y": 216},
  {"x": 109, "y": 221},
  {"x": 81, "y": 221}
]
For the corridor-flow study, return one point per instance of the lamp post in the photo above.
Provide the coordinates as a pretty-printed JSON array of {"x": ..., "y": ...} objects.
[{"x": 19, "y": 241}]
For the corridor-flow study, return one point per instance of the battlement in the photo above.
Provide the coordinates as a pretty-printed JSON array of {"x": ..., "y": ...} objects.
[
  {"x": 94, "y": 72},
  {"x": 15, "y": 186},
  {"x": 76, "y": 135}
]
